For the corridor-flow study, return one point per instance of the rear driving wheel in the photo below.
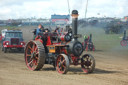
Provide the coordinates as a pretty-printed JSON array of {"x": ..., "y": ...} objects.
[
  {"x": 62, "y": 64},
  {"x": 34, "y": 55},
  {"x": 88, "y": 63}
]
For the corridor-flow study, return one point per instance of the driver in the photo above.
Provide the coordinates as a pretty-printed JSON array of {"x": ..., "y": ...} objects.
[
  {"x": 38, "y": 30},
  {"x": 86, "y": 38}
]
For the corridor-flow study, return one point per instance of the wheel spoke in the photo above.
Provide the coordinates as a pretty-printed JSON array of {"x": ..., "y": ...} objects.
[
  {"x": 28, "y": 54},
  {"x": 33, "y": 67},
  {"x": 83, "y": 62},
  {"x": 90, "y": 59},
  {"x": 64, "y": 66},
  {"x": 87, "y": 58},
  {"x": 35, "y": 62},
  {"x": 86, "y": 67},
  {"x": 35, "y": 49},
  {"x": 62, "y": 61},
  {"x": 58, "y": 60},
  {"x": 37, "y": 52},
  {"x": 36, "y": 58},
  {"x": 60, "y": 68},
  {"x": 30, "y": 62},
  {"x": 30, "y": 49}
]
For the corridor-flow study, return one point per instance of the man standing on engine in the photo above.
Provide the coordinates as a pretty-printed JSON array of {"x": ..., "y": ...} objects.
[
  {"x": 85, "y": 38},
  {"x": 85, "y": 41},
  {"x": 38, "y": 30}
]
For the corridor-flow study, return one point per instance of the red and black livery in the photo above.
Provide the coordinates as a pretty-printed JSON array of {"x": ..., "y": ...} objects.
[
  {"x": 60, "y": 50},
  {"x": 124, "y": 41},
  {"x": 88, "y": 44}
]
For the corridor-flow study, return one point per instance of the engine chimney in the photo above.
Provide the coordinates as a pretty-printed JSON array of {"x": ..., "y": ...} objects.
[
  {"x": 75, "y": 47},
  {"x": 74, "y": 23},
  {"x": 124, "y": 34}
]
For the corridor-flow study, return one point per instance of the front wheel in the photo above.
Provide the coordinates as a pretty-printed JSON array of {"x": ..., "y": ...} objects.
[
  {"x": 88, "y": 63},
  {"x": 62, "y": 64},
  {"x": 4, "y": 49},
  {"x": 123, "y": 43}
]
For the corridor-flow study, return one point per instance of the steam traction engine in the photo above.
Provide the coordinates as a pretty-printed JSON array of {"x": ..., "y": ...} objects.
[
  {"x": 88, "y": 44},
  {"x": 60, "y": 51},
  {"x": 124, "y": 40}
]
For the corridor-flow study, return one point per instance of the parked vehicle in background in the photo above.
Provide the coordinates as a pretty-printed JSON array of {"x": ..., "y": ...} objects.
[
  {"x": 13, "y": 39},
  {"x": 124, "y": 41}
]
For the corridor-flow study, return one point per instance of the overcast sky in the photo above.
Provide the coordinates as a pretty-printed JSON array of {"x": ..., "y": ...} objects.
[{"x": 44, "y": 8}]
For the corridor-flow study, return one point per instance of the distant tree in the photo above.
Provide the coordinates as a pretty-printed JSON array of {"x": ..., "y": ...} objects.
[{"x": 115, "y": 27}]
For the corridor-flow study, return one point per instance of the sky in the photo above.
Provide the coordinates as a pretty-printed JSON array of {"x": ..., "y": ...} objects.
[{"x": 14, "y": 9}]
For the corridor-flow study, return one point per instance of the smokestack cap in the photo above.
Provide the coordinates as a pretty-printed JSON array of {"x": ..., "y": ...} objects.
[{"x": 75, "y": 12}]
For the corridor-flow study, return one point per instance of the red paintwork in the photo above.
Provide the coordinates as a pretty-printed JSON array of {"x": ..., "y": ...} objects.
[
  {"x": 38, "y": 38},
  {"x": 23, "y": 42},
  {"x": 56, "y": 43},
  {"x": 123, "y": 43},
  {"x": 49, "y": 41},
  {"x": 1, "y": 37},
  {"x": 75, "y": 59},
  {"x": 13, "y": 46},
  {"x": 62, "y": 38},
  {"x": 60, "y": 69},
  {"x": 54, "y": 20},
  {"x": 31, "y": 62},
  {"x": 87, "y": 43},
  {"x": 4, "y": 43}
]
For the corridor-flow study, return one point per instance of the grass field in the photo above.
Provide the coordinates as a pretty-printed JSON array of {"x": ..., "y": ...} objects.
[{"x": 102, "y": 41}]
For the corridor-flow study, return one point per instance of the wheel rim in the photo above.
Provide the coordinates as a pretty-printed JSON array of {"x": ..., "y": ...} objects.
[
  {"x": 31, "y": 55},
  {"x": 124, "y": 43},
  {"x": 62, "y": 64},
  {"x": 87, "y": 63}
]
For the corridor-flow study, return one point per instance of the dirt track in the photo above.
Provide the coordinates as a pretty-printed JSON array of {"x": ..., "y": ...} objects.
[{"x": 111, "y": 69}]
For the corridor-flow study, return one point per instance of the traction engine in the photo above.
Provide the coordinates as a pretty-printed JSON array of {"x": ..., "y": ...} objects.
[
  {"x": 59, "y": 50},
  {"x": 124, "y": 41},
  {"x": 88, "y": 44}
]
